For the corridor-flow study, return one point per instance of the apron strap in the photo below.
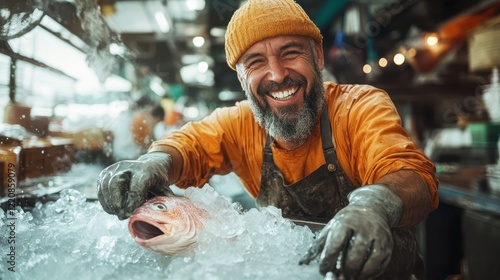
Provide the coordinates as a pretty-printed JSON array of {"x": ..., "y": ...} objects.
[
  {"x": 326, "y": 130},
  {"x": 327, "y": 141}
]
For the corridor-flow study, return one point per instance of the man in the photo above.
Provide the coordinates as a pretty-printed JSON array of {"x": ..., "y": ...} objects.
[{"x": 316, "y": 150}]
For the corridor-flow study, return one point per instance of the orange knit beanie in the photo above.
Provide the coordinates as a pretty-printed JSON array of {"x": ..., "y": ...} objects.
[{"x": 261, "y": 19}]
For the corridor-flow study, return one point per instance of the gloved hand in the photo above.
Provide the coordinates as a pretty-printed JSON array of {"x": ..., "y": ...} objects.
[
  {"x": 125, "y": 185},
  {"x": 357, "y": 243}
]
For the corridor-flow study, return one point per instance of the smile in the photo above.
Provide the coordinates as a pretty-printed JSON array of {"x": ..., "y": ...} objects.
[{"x": 284, "y": 94}]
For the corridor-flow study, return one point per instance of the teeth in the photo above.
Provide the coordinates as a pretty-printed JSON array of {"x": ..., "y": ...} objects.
[{"x": 283, "y": 94}]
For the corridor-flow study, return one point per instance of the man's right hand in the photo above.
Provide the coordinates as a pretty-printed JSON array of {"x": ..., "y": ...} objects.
[{"x": 124, "y": 186}]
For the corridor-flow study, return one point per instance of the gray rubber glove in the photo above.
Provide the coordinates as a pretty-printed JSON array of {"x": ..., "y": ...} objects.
[
  {"x": 125, "y": 185},
  {"x": 357, "y": 243}
]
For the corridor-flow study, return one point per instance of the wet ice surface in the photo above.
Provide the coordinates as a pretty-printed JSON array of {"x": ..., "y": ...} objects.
[{"x": 72, "y": 238}]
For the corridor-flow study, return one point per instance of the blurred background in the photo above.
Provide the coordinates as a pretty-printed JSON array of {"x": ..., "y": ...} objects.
[{"x": 84, "y": 83}]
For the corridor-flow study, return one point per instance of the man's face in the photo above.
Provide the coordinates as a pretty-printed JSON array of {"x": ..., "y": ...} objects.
[{"x": 281, "y": 77}]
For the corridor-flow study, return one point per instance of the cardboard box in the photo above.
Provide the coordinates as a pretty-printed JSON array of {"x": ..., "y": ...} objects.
[{"x": 45, "y": 157}]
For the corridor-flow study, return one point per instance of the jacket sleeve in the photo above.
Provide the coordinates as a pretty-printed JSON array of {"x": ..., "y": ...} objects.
[
  {"x": 379, "y": 144},
  {"x": 228, "y": 140}
]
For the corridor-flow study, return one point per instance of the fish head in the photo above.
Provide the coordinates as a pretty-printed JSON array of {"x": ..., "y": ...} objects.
[{"x": 166, "y": 224}]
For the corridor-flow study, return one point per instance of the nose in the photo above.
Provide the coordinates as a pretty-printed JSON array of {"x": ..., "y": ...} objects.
[{"x": 277, "y": 71}]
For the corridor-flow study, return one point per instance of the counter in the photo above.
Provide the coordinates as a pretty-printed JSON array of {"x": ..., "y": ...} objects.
[
  {"x": 466, "y": 187},
  {"x": 470, "y": 199}
]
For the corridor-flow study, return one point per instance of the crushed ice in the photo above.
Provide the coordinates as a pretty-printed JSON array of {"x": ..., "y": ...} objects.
[{"x": 73, "y": 238}]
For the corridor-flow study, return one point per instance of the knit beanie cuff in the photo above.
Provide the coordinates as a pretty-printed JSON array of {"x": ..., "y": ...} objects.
[{"x": 261, "y": 19}]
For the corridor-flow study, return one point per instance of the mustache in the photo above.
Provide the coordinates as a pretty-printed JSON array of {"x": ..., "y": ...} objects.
[{"x": 265, "y": 88}]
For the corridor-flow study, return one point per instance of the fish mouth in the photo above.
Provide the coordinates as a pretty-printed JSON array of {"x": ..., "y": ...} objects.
[{"x": 145, "y": 230}]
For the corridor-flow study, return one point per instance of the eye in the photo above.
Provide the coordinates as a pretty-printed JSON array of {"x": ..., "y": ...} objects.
[
  {"x": 291, "y": 54},
  {"x": 160, "y": 207},
  {"x": 255, "y": 63}
]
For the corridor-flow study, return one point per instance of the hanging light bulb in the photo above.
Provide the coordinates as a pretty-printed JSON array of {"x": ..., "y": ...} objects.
[
  {"x": 432, "y": 39},
  {"x": 399, "y": 59},
  {"x": 198, "y": 41},
  {"x": 367, "y": 69},
  {"x": 382, "y": 62}
]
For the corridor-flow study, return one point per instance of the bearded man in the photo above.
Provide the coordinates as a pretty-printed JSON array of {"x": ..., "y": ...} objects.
[{"x": 316, "y": 150}]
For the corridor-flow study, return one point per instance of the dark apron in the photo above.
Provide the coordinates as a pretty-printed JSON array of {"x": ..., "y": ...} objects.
[{"x": 321, "y": 194}]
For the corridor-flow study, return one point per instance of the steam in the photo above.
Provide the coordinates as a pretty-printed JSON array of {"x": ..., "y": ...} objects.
[{"x": 100, "y": 38}]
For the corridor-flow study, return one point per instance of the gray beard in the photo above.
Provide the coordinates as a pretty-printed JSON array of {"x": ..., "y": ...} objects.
[
  {"x": 287, "y": 125},
  {"x": 294, "y": 128}
]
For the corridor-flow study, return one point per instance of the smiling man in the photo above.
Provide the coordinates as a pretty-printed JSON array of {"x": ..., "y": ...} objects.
[
  {"x": 317, "y": 150},
  {"x": 284, "y": 72}
]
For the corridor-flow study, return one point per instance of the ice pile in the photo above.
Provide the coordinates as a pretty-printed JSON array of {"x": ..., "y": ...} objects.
[{"x": 73, "y": 238}]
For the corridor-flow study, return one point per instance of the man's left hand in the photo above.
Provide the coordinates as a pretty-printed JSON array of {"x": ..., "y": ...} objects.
[{"x": 357, "y": 242}]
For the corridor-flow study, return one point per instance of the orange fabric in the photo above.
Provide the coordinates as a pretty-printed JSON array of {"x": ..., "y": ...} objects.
[{"x": 367, "y": 134}]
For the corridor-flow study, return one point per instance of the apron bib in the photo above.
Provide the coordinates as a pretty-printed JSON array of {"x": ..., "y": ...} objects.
[{"x": 321, "y": 194}]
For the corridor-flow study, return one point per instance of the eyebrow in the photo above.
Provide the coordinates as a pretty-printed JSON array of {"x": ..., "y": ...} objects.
[{"x": 248, "y": 57}]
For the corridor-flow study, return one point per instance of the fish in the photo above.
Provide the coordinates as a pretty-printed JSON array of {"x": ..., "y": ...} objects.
[{"x": 167, "y": 225}]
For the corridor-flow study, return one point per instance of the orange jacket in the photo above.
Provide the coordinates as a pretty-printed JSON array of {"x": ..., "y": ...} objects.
[{"x": 367, "y": 133}]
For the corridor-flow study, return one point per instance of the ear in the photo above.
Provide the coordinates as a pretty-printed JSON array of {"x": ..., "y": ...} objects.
[
  {"x": 320, "y": 56},
  {"x": 240, "y": 78}
]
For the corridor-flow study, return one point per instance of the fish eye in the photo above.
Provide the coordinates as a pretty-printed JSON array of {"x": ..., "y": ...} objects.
[{"x": 160, "y": 206}]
